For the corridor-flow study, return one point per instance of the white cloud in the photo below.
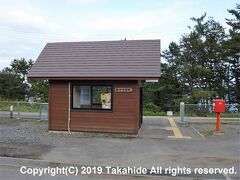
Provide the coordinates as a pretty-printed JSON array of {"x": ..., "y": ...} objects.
[
  {"x": 5, "y": 62},
  {"x": 26, "y": 25},
  {"x": 84, "y": 2},
  {"x": 24, "y": 30},
  {"x": 171, "y": 15},
  {"x": 26, "y": 21},
  {"x": 3, "y": 51},
  {"x": 125, "y": 22}
]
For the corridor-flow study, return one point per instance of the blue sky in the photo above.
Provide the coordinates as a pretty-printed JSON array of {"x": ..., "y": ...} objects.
[{"x": 27, "y": 25}]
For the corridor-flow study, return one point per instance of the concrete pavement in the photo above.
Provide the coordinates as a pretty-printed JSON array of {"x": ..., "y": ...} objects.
[{"x": 151, "y": 148}]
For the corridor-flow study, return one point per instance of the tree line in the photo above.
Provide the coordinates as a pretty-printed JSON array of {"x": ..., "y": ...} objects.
[
  {"x": 203, "y": 65},
  {"x": 16, "y": 86}
]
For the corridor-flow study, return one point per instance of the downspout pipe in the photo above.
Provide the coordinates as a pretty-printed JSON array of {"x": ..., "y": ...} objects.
[{"x": 69, "y": 107}]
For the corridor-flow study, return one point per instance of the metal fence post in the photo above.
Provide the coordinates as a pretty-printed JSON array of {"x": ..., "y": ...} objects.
[
  {"x": 40, "y": 111},
  {"x": 18, "y": 106},
  {"x": 11, "y": 111},
  {"x": 182, "y": 114}
]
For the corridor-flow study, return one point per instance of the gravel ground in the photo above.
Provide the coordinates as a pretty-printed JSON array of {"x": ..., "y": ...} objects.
[
  {"x": 25, "y": 138},
  {"x": 30, "y": 138},
  {"x": 32, "y": 132}
]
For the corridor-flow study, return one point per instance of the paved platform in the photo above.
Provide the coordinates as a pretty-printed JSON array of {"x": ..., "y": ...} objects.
[
  {"x": 10, "y": 169},
  {"x": 165, "y": 127},
  {"x": 152, "y": 147}
]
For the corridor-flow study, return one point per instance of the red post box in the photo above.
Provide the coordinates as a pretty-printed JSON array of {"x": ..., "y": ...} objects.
[{"x": 219, "y": 106}]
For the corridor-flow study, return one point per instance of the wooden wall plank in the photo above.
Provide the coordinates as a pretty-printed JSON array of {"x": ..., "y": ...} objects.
[{"x": 124, "y": 117}]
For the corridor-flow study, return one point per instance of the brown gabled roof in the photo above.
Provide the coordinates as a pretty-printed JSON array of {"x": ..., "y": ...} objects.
[{"x": 99, "y": 59}]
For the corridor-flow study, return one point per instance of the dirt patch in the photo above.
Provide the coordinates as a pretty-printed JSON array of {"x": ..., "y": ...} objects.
[
  {"x": 12, "y": 121},
  {"x": 22, "y": 150},
  {"x": 207, "y": 132},
  {"x": 208, "y": 129}
]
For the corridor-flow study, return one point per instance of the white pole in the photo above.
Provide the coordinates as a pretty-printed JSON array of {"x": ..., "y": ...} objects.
[
  {"x": 69, "y": 107},
  {"x": 11, "y": 111},
  {"x": 18, "y": 105},
  {"x": 182, "y": 112}
]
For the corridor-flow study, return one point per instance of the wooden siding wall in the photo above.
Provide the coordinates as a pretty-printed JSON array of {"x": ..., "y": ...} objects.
[
  {"x": 124, "y": 117},
  {"x": 58, "y": 105}
]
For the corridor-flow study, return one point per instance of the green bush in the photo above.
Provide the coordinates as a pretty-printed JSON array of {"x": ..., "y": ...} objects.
[
  {"x": 151, "y": 107},
  {"x": 150, "y": 113}
]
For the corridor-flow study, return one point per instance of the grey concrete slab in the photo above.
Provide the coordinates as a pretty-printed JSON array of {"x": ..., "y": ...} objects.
[
  {"x": 155, "y": 128},
  {"x": 188, "y": 131},
  {"x": 8, "y": 164},
  {"x": 12, "y": 173}
]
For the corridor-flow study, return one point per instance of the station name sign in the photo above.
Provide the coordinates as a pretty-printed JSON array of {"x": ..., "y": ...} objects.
[{"x": 123, "y": 90}]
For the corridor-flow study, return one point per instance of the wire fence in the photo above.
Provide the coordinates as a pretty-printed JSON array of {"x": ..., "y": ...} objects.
[
  {"x": 206, "y": 110},
  {"x": 33, "y": 110},
  {"x": 25, "y": 110}
]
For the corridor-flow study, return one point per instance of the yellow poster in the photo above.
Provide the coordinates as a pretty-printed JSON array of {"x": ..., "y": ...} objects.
[{"x": 106, "y": 100}]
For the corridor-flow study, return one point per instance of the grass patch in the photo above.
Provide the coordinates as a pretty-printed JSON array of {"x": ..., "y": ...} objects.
[
  {"x": 22, "y": 106},
  {"x": 161, "y": 113},
  {"x": 11, "y": 121},
  {"x": 37, "y": 121},
  {"x": 224, "y": 115},
  {"x": 14, "y": 121},
  {"x": 207, "y": 132},
  {"x": 150, "y": 113},
  {"x": 229, "y": 115}
]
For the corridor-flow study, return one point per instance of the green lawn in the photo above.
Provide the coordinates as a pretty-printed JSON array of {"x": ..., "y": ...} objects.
[
  {"x": 226, "y": 115},
  {"x": 23, "y": 106},
  {"x": 34, "y": 107},
  {"x": 15, "y": 121}
]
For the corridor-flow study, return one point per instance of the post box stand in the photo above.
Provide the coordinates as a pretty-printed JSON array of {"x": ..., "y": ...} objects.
[
  {"x": 218, "y": 107},
  {"x": 218, "y": 124}
]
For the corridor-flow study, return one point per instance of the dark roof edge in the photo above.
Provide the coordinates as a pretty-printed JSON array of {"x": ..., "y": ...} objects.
[
  {"x": 104, "y": 41},
  {"x": 94, "y": 78}
]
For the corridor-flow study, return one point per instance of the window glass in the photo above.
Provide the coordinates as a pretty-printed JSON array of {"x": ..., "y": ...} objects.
[
  {"x": 81, "y": 97},
  {"x": 76, "y": 97},
  {"x": 85, "y": 95},
  {"x": 101, "y": 97},
  {"x": 92, "y": 97}
]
